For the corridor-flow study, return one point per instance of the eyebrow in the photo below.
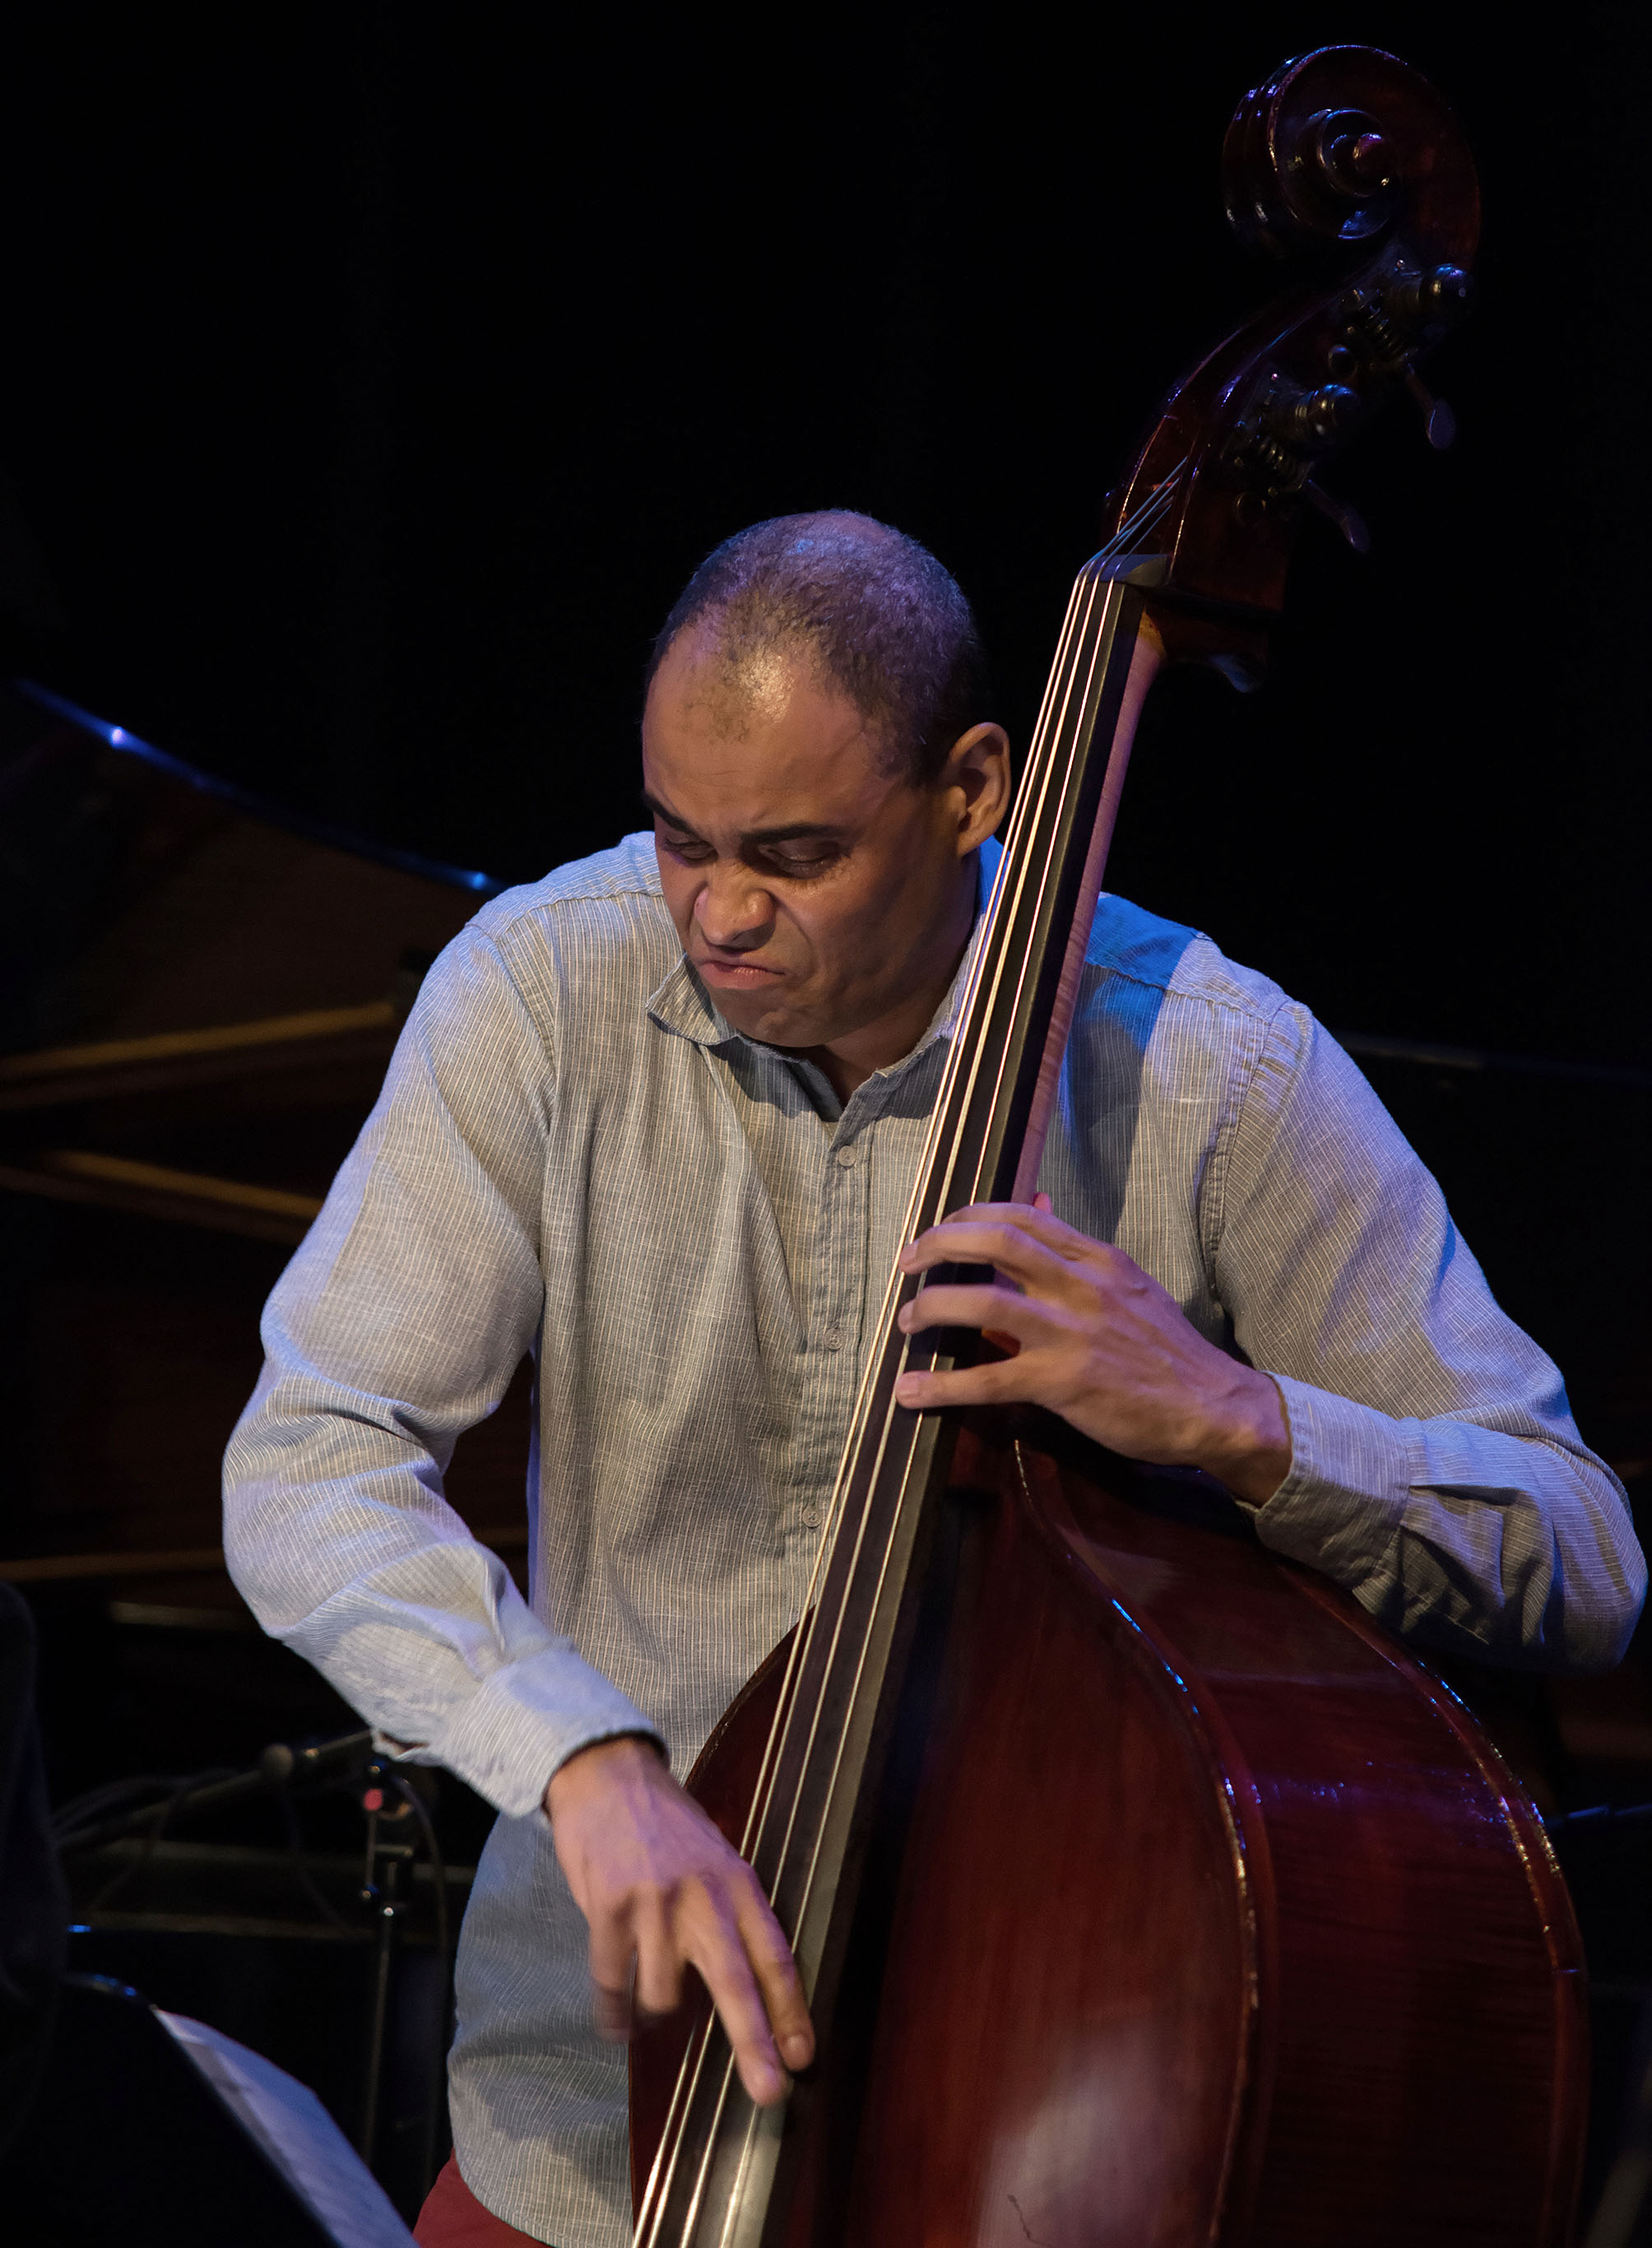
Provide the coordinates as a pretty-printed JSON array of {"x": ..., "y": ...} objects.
[{"x": 755, "y": 836}]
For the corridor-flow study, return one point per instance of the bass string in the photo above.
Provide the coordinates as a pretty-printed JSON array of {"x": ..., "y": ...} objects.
[
  {"x": 1146, "y": 517},
  {"x": 856, "y": 1469},
  {"x": 1005, "y": 912},
  {"x": 1002, "y": 918},
  {"x": 663, "y": 2176},
  {"x": 1076, "y": 689},
  {"x": 870, "y": 1375},
  {"x": 1083, "y": 671},
  {"x": 1030, "y": 806},
  {"x": 872, "y": 1605},
  {"x": 688, "y": 2078},
  {"x": 1048, "y": 874}
]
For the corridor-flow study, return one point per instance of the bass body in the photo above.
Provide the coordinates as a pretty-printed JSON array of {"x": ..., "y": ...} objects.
[{"x": 1196, "y": 1909}]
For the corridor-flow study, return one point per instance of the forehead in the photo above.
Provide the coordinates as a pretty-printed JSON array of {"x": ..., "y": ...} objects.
[{"x": 756, "y": 739}]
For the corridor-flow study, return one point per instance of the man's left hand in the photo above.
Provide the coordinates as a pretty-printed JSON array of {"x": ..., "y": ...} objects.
[{"x": 1100, "y": 1343}]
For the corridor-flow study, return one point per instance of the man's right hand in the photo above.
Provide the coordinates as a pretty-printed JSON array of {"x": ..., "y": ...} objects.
[{"x": 661, "y": 1890}]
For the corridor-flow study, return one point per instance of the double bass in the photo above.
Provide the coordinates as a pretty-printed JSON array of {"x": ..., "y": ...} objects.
[{"x": 1145, "y": 1892}]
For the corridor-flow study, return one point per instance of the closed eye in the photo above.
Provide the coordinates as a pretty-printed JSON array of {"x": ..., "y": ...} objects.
[
  {"x": 796, "y": 858},
  {"x": 799, "y": 864}
]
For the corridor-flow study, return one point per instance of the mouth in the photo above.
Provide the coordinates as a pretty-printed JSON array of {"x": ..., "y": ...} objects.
[{"x": 736, "y": 975}]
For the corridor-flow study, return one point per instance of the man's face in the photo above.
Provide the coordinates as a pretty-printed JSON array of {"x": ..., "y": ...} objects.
[{"x": 813, "y": 891}]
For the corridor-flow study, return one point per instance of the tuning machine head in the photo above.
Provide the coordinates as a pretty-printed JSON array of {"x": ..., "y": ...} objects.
[{"x": 1388, "y": 321}]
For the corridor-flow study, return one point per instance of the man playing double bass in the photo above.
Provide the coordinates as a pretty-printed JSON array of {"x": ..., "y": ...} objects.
[{"x": 656, "y": 1120}]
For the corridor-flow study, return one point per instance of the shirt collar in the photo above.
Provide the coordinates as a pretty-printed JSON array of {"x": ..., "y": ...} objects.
[{"x": 681, "y": 1004}]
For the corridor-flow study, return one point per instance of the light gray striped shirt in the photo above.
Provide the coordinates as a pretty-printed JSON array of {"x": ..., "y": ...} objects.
[{"x": 575, "y": 1155}]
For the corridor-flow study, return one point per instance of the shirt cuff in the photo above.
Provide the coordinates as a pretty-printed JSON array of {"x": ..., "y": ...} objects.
[
  {"x": 525, "y": 1720},
  {"x": 1342, "y": 1504}
]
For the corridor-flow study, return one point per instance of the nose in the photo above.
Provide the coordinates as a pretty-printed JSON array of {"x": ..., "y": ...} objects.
[{"x": 734, "y": 914}]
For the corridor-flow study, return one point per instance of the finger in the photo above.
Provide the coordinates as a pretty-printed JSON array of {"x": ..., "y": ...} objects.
[
  {"x": 969, "y": 1307},
  {"x": 721, "y": 1958},
  {"x": 1000, "y": 1381},
  {"x": 1009, "y": 1249},
  {"x": 613, "y": 2014},
  {"x": 1038, "y": 1220},
  {"x": 1014, "y": 1258},
  {"x": 612, "y": 1967},
  {"x": 658, "y": 1987},
  {"x": 780, "y": 1982},
  {"x": 781, "y": 1985}
]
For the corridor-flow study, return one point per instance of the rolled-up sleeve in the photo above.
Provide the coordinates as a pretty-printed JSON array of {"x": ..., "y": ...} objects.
[
  {"x": 1437, "y": 1471},
  {"x": 398, "y": 1326}
]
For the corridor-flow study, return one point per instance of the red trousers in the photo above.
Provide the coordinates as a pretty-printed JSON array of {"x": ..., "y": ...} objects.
[{"x": 453, "y": 2218}]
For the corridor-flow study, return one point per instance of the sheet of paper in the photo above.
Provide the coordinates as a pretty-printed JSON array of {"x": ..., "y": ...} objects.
[{"x": 297, "y": 2133}]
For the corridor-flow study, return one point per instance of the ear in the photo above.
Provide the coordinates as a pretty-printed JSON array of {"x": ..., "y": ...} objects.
[{"x": 976, "y": 779}]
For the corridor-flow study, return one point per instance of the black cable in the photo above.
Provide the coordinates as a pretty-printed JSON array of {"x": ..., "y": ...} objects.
[
  {"x": 410, "y": 1796},
  {"x": 107, "y": 1813},
  {"x": 301, "y": 1872},
  {"x": 98, "y": 1803},
  {"x": 119, "y": 1879}
]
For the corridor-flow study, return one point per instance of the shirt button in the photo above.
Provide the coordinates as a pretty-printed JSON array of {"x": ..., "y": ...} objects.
[
  {"x": 833, "y": 1339},
  {"x": 812, "y": 1515},
  {"x": 847, "y": 1158}
]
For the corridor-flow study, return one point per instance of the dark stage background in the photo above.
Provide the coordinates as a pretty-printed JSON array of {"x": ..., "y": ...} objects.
[{"x": 376, "y": 375}]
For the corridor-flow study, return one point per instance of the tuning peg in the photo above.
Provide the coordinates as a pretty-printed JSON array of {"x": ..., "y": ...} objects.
[
  {"x": 1439, "y": 422},
  {"x": 1435, "y": 300},
  {"x": 1347, "y": 520},
  {"x": 1318, "y": 418}
]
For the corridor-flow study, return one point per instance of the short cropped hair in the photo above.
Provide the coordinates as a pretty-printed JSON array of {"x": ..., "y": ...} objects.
[{"x": 884, "y": 622}]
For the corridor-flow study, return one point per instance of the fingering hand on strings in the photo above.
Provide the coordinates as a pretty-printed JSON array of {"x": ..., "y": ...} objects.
[
  {"x": 1096, "y": 1340},
  {"x": 661, "y": 1890}
]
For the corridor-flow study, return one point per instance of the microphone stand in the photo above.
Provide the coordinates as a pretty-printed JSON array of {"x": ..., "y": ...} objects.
[{"x": 386, "y": 1800}]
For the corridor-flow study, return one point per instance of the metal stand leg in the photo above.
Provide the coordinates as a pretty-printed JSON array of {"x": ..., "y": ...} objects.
[{"x": 381, "y": 1888}]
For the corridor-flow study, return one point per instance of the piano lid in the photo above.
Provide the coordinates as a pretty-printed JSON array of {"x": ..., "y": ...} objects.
[
  {"x": 181, "y": 966},
  {"x": 199, "y": 993}
]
